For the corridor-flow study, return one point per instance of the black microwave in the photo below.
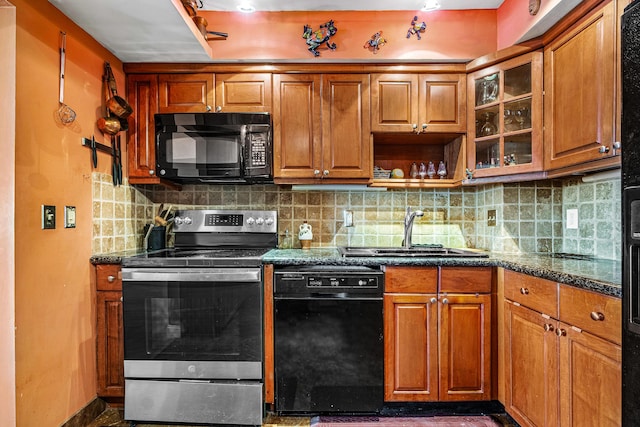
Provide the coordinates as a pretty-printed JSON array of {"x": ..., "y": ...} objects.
[{"x": 214, "y": 147}]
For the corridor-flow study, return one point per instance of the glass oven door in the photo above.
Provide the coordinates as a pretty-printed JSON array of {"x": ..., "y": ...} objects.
[{"x": 192, "y": 323}]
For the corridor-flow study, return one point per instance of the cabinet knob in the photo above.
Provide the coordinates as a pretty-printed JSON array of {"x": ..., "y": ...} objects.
[
  {"x": 548, "y": 327},
  {"x": 218, "y": 108},
  {"x": 597, "y": 316},
  {"x": 325, "y": 172},
  {"x": 112, "y": 279},
  {"x": 434, "y": 300},
  {"x": 445, "y": 301},
  {"x": 524, "y": 291},
  {"x": 316, "y": 172},
  {"x": 152, "y": 172},
  {"x": 603, "y": 149},
  {"x": 561, "y": 332}
]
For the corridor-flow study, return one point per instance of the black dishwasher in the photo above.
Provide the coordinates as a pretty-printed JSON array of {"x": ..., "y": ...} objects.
[{"x": 328, "y": 339}]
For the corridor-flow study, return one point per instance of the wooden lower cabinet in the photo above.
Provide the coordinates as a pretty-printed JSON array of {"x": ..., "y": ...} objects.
[
  {"x": 437, "y": 345},
  {"x": 109, "y": 332},
  {"x": 556, "y": 373},
  {"x": 531, "y": 353}
]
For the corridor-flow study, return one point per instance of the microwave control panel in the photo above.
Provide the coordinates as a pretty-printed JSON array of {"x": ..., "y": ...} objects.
[{"x": 258, "y": 149}]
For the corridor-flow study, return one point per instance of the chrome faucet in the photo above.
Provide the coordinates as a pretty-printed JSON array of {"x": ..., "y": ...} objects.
[{"x": 408, "y": 226}]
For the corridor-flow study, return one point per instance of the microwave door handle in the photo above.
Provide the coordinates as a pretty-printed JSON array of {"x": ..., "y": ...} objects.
[{"x": 244, "y": 144}]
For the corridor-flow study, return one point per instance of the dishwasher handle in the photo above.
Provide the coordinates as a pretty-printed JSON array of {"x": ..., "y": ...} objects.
[
  {"x": 328, "y": 297},
  {"x": 192, "y": 275}
]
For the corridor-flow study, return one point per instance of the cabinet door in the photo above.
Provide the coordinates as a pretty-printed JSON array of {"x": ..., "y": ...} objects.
[
  {"x": 346, "y": 126},
  {"x": 245, "y": 92},
  {"x": 443, "y": 102},
  {"x": 531, "y": 365},
  {"x": 185, "y": 93},
  {"x": 110, "y": 344},
  {"x": 142, "y": 91},
  {"x": 395, "y": 102},
  {"x": 296, "y": 126},
  {"x": 410, "y": 347},
  {"x": 590, "y": 380},
  {"x": 465, "y": 347},
  {"x": 580, "y": 92}
]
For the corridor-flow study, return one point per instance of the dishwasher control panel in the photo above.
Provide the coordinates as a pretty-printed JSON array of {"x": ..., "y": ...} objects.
[{"x": 311, "y": 281}]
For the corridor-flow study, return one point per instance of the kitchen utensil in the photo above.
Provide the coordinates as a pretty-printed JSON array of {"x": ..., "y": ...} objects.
[
  {"x": 116, "y": 104},
  {"x": 119, "y": 159},
  {"x": 65, "y": 113},
  {"x": 147, "y": 233},
  {"x": 216, "y": 33},
  {"x": 166, "y": 214},
  {"x": 108, "y": 124},
  {"x": 201, "y": 23},
  {"x": 191, "y": 6},
  {"x": 94, "y": 152}
]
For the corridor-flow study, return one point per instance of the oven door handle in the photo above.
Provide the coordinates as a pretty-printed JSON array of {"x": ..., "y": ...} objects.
[{"x": 192, "y": 275}]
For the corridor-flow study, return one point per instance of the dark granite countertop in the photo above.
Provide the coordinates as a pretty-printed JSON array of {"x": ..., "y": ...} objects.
[{"x": 600, "y": 275}]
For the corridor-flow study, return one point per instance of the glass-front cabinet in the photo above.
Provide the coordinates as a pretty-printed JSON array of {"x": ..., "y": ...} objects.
[{"x": 505, "y": 117}]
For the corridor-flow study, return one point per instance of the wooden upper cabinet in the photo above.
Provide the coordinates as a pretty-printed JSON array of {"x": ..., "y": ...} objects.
[
  {"x": 442, "y": 102},
  {"x": 580, "y": 92},
  {"x": 142, "y": 92},
  {"x": 505, "y": 117},
  {"x": 404, "y": 101},
  {"x": 186, "y": 93},
  {"x": 296, "y": 125},
  {"x": 321, "y": 127},
  {"x": 243, "y": 92}
]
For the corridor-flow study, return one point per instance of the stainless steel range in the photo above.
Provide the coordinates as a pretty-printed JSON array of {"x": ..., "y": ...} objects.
[{"x": 193, "y": 321}]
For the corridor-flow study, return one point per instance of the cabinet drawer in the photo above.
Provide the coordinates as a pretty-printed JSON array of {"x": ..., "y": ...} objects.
[
  {"x": 411, "y": 279},
  {"x": 108, "y": 277},
  {"x": 538, "y": 294},
  {"x": 592, "y": 312},
  {"x": 466, "y": 279}
]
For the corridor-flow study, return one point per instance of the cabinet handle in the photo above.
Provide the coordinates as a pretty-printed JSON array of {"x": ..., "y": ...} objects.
[
  {"x": 316, "y": 172},
  {"x": 121, "y": 299},
  {"x": 434, "y": 300},
  {"x": 561, "y": 332},
  {"x": 326, "y": 172},
  {"x": 604, "y": 149},
  {"x": 445, "y": 301},
  {"x": 597, "y": 316},
  {"x": 112, "y": 279},
  {"x": 548, "y": 327},
  {"x": 524, "y": 291}
]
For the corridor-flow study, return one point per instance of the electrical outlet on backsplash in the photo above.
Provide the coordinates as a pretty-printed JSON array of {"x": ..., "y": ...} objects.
[{"x": 528, "y": 216}]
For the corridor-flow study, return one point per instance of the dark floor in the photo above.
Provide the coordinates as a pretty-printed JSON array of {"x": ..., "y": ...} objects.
[{"x": 112, "y": 417}]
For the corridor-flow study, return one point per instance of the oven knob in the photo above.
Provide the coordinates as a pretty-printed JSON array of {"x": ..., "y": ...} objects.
[
  {"x": 268, "y": 221},
  {"x": 178, "y": 220},
  {"x": 260, "y": 221},
  {"x": 251, "y": 221},
  {"x": 362, "y": 282},
  {"x": 187, "y": 220}
]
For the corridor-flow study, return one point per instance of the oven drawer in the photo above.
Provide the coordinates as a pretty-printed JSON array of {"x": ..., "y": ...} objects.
[{"x": 193, "y": 402}]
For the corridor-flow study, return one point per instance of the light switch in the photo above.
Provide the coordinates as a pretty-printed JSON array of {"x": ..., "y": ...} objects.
[
  {"x": 69, "y": 217},
  {"x": 48, "y": 217}
]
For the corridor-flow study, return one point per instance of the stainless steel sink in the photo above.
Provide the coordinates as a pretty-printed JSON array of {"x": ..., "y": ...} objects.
[{"x": 414, "y": 251}]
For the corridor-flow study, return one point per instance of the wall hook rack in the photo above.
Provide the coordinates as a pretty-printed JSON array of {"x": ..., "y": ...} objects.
[{"x": 95, "y": 147}]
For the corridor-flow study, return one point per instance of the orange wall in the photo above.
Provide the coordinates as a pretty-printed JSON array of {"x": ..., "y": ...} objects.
[
  {"x": 55, "y": 335},
  {"x": 271, "y": 35},
  {"x": 7, "y": 193},
  {"x": 514, "y": 20}
]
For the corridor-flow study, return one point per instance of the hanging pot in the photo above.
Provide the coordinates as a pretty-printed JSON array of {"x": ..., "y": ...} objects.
[
  {"x": 201, "y": 23},
  {"x": 191, "y": 6},
  {"x": 116, "y": 104},
  {"x": 109, "y": 125}
]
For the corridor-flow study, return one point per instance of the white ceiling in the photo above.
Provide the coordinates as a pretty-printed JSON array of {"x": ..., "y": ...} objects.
[
  {"x": 301, "y": 5},
  {"x": 161, "y": 30}
]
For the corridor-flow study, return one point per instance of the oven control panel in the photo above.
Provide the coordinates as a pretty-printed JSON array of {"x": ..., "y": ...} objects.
[
  {"x": 341, "y": 282},
  {"x": 225, "y": 221}
]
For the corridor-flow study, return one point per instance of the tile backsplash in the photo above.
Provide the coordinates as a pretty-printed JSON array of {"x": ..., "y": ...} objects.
[{"x": 529, "y": 217}]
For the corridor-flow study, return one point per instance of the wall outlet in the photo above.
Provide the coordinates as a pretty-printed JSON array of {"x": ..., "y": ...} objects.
[
  {"x": 348, "y": 218},
  {"x": 48, "y": 217},
  {"x": 572, "y": 219},
  {"x": 491, "y": 218}
]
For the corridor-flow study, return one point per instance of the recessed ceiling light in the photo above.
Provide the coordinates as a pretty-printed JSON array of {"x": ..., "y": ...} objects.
[
  {"x": 246, "y": 8},
  {"x": 430, "y": 5}
]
